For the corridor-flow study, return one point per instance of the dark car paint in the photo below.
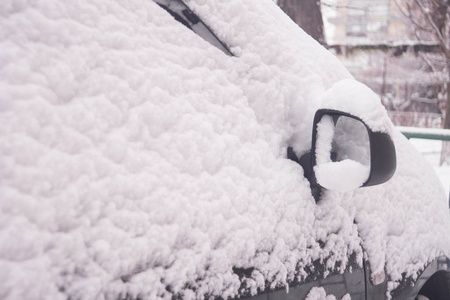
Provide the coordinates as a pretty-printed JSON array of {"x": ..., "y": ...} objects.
[
  {"x": 351, "y": 282},
  {"x": 409, "y": 289},
  {"x": 355, "y": 283}
]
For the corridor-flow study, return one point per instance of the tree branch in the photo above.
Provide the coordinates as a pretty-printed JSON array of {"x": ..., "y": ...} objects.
[
  {"x": 324, "y": 3},
  {"x": 436, "y": 30},
  {"x": 408, "y": 15},
  {"x": 427, "y": 61}
]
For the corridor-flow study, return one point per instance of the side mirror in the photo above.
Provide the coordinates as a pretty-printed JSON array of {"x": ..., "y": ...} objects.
[{"x": 347, "y": 154}]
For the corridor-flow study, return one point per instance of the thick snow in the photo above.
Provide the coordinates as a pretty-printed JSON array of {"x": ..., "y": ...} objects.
[
  {"x": 344, "y": 176},
  {"x": 139, "y": 161},
  {"x": 318, "y": 293},
  {"x": 324, "y": 140},
  {"x": 344, "y": 95},
  {"x": 349, "y": 140}
]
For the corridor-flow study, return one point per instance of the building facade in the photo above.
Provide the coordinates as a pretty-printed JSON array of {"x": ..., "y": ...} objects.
[{"x": 364, "y": 21}]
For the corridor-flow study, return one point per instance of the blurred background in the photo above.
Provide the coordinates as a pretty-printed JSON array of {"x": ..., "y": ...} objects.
[{"x": 399, "y": 48}]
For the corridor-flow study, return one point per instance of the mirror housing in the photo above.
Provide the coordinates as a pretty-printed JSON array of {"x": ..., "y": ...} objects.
[{"x": 382, "y": 163}]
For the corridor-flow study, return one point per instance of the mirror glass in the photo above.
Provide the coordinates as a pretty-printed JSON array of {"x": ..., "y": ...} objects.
[{"x": 342, "y": 153}]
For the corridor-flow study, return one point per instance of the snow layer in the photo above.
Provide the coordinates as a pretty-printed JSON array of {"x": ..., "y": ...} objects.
[
  {"x": 431, "y": 150},
  {"x": 139, "y": 161},
  {"x": 324, "y": 140},
  {"x": 318, "y": 293},
  {"x": 343, "y": 176},
  {"x": 349, "y": 141},
  {"x": 345, "y": 93}
]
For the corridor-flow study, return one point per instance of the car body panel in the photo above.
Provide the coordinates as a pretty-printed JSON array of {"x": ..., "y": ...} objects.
[
  {"x": 338, "y": 285},
  {"x": 409, "y": 289},
  {"x": 139, "y": 161}
]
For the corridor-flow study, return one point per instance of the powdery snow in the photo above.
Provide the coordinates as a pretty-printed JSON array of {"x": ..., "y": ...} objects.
[
  {"x": 344, "y": 95},
  {"x": 318, "y": 293},
  {"x": 137, "y": 160},
  {"x": 343, "y": 176},
  {"x": 349, "y": 140},
  {"x": 324, "y": 140}
]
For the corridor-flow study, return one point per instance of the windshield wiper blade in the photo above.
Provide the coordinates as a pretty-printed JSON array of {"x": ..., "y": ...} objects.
[{"x": 183, "y": 14}]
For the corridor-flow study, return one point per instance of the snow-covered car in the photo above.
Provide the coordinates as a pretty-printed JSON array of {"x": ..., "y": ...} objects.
[{"x": 198, "y": 150}]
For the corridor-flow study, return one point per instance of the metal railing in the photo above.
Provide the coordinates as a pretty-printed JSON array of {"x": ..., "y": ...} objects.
[{"x": 425, "y": 133}]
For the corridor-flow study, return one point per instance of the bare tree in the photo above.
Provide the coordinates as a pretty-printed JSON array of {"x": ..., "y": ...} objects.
[
  {"x": 307, "y": 14},
  {"x": 430, "y": 22}
]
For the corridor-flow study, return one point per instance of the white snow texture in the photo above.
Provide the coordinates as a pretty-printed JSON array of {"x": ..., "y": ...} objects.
[
  {"x": 318, "y": 293},
  {"x": 137, "y": 160},
  {"x": 349, "y": 140}
]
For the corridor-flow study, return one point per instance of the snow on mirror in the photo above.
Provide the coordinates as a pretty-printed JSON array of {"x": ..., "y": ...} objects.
[{"x": 342, "y": 153}]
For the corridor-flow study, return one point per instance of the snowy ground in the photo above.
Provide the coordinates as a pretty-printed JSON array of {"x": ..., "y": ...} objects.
[{"x": 431, "y": 150}]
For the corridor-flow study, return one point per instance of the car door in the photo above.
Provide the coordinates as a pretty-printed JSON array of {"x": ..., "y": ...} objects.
[{"x": 351, "y": 282}]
